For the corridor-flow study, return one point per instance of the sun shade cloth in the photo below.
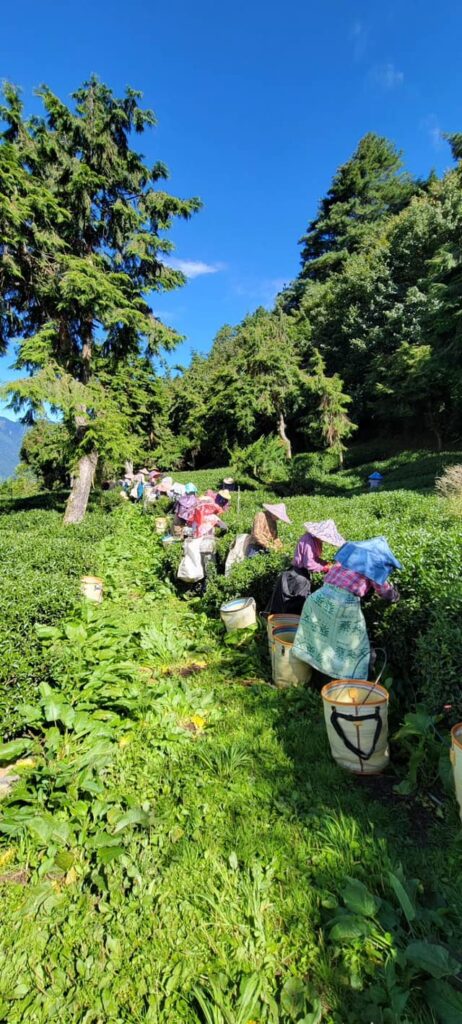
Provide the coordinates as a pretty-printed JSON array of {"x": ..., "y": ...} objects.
[{"x": 372, "y": 558}]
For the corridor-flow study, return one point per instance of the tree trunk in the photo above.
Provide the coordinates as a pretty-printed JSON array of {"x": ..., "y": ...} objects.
[
  {"x": 283, "y": 435},
  {"x": 80, "y": 491}
]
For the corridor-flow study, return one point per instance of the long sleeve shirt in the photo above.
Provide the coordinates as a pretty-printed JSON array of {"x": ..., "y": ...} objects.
[
  {"x": 308, "y": 554},
  {"x": 357, "y": 584},
  {"x": 265, "y": 531}
]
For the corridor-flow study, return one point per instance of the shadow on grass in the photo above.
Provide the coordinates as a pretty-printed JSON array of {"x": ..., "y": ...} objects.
[
  {"x": 54, "y": 501},
  {"x": 409, "y": 470}
]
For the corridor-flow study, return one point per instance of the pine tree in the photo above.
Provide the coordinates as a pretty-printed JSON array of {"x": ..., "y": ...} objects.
[{"x": 82, "y": 222}]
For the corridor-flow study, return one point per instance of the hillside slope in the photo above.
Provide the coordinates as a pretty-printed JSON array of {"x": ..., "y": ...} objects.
[{"x": 11, "y": 435}]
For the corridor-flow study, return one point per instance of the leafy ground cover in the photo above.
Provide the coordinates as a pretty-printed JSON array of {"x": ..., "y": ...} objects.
[{"x": 179, "y": 845}]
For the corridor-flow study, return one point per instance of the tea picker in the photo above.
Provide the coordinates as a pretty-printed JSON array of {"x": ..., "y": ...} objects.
[{"x": 332, "y": 636}]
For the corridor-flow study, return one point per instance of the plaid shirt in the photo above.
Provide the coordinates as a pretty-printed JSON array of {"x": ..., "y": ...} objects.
[{"x": 357, "y": 584}]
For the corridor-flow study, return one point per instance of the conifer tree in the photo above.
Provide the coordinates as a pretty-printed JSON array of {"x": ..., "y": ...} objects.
[
  {"x": 365, "y": 190},
  {"x": 82, "y": 219}
]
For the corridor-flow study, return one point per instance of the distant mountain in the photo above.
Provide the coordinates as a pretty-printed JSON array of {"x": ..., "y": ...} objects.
[{"x": 11, "y": 435}]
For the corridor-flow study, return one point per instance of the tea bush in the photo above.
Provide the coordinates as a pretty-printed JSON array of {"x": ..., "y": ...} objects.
[
  {"x": 420, "y": 631},
  {"x": 42, "y": 562}
]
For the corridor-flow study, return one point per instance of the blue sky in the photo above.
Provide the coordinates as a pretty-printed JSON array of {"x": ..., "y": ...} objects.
[{"x": 257, "y": 103}]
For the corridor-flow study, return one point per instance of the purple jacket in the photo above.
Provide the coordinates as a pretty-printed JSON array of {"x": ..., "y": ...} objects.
[{"x": 185, "y": 506}]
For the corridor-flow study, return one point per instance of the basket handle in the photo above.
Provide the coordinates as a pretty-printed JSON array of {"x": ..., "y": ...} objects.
[
  {"x": 336, "y": 715},
  {"x": 376, "y": 681}
]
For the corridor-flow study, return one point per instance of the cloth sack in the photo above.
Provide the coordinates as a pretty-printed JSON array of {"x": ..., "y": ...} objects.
[
  {"x": 290, "y": 592},
  {"x": 191, "y": 568},
  {"x": 238, "y": 552}
]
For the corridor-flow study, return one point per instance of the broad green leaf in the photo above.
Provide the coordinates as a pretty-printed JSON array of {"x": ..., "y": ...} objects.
[
  {"x": 64, "y": 860},
  {"x": 349, "y": 927},
  {"x": 46, "y": 632},
  {"x": 403, "y": 897},
  {"x": 434, "y": 959},
  {"x": 416, "y": 723},
  {"x": 293, "y": 997},
  {"x": 75, "y": 632},
  {"x": 16, "y": 748},
  {"x": 52, "y": 709},
  {"x": 107, "y": 853},
  {"x": 101, "y": 839},
  {"x": 41, "y": 828},
  {"x": 404, "y": 788},
  {"x": 358, "y": 899},
  {"x": 445, "y": 1001},
  {"x": 315, "y": 1017},
  {"x": 135, "y": 816}
]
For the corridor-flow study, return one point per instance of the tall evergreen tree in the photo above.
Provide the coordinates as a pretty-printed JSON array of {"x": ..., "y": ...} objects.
[
  {"x": 365, "y": 190},
  {"x": 82, "y": 222}
]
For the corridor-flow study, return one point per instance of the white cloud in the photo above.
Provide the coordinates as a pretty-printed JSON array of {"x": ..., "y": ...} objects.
[
  {"x": 386, "y": 76},
  {"x": 194, "y": 268},
  {"x": 359, "y": 38},
  {"x": 431, "y": 125}
]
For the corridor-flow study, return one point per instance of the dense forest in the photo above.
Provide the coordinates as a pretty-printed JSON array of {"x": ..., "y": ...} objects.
[
  {"x": 366, "y": 341},
  {"x": 368, "y": 334}
]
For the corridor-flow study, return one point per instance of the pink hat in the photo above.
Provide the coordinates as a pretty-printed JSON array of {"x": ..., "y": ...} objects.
[
  {"x": 278, "y": 511},
  {"x": 327, "y": 531}
]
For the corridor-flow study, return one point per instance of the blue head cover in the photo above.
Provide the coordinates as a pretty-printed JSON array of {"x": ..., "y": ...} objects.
[
  {"x": 375, "y": 476},
  {"x": 191, "y": 489},
  {"x": 372, "y": 558}
]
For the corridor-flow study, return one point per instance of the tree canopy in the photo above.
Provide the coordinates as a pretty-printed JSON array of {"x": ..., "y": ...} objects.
[
  {"x": 82, "y": 234},
  {"x": 368, "y": 336}
]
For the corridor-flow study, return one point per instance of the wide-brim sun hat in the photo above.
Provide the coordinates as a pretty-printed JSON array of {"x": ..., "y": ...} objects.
[
  {"x": 165, "y": 484},
  {"x": 326, "y": 531},
  {"x": 225, "y": 494},
  {"x": 278, "y": 511},
  {"x": 372, "y": 558}
]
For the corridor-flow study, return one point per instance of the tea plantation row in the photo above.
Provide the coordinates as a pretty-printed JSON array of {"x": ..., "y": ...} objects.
[
  {"x": 421, "y": 632},
  {"x": 42, "y": 562}
]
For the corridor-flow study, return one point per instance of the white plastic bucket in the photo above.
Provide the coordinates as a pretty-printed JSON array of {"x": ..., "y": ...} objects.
[
  {"x": 161, "y": 525},
  {"x": 356, "y": 716},
  {"x": 92, "y": 588},
  {"x": 288, "y": 670},
  {"x": 456, "y": 761},
  {"x": 239, "y": 614}
]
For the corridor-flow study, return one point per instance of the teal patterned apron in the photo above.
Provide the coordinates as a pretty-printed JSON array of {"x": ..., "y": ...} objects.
[{"x": 332, "y": 635}]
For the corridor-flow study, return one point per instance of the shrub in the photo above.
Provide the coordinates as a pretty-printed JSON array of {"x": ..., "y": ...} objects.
[
  {"x": 449, "y": 485},
  {"x": 42, "y": 562},
  {"x": 265, "y": 461},
  {"x": 309, "y": 469}
]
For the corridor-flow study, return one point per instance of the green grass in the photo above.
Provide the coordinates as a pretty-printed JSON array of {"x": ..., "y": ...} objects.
[{"x": 179, "y": 847}]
